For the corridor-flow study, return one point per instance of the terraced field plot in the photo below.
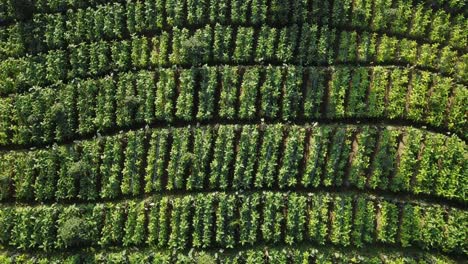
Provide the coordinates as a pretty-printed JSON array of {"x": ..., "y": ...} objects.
[{"x": 233, "y": 131}]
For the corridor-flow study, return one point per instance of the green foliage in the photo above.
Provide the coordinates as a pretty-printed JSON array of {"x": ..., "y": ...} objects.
[
  {"x": 146, "y": 131},
  {"x": 132, "y": 166},
  {"x": 70, "y": 169},
  {"x": 173, "y": 221},
  {"x": 179, "y": 223},
  {"x": 156, "y": 160},
  {"x": 24, "y": 176},
  {"x": 135, "y": 224},
  {"x": 316, "y": 155},
  {"x": 238, "y": 157},
  {"x": 270, "y": 92},
  {"x": 364, "y": 222},
  {"x": 295, "y": 219},
  {"x": 341, "y": 224},
  {"x": 387, "y": 222},
  {"x": 360, "y": 82},
  {"x": 111, "y": 167},
  {"x": 180, "y": 159},
  {"x": 269, "y": 156},
  {"x": 337, "y": 157},
  {"x": 206, "y": 94},
  {"x": 243, "y": 50},
  {"x": 75, "y": 226},
  {"x": 314, "y": 91},
  {"x": 222, "y": 43},
  {"x": 248, "y": 93},
  {"x": 185, "y": 103},
  {"x": 71, "y": 231},
  {"x": 165, "y": 92},
  {"x": 112, "y": 230},
  {"x": 418, "y": 96},
  {"x": 336, "y": 97},
  {"x": 362, "y": 148},
  {"x": 223, "y": 156},
  {"x": 202, "y": 146},
  {"x": 266, "y": 44},
  {"x": 383, "y": 164},
  {"x": 292, "y": 93},
  {"x": 317, "y": 223},
  {"x": 245, "y": 158},
  {"x": 228, "y": 97},
  {"x": 249, "y": 219},
  {"x": 397, "y": 95},
  {"x": 408, "y": 149},
  {"x": 376, "y": 97},
  {"x": 88, "y": 170},
  {"x": 159, "y": 53},
  {"x": 203, "y": 221},
  {"x": 292, "y": 156},
  {"x": 273, "y": 218}
]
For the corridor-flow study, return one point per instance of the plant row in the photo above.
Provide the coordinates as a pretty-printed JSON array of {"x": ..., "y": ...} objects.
[
  {"x": 84, "y": 107},
  {"x": 302, "y": 45},
  {"x": 11, "y": 11},
  {"x": 222, "y": 220},
  {"x": 114, "y": 20},
  {"x": 455, "y": 5},
  {"x": 23, "y": 10},
  {"x": 276, "y": 255},
  {"x": 232, "y": 157}
]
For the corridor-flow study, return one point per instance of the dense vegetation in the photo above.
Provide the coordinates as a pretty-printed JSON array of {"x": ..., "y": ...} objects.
[{"x": 233, "y": 131}]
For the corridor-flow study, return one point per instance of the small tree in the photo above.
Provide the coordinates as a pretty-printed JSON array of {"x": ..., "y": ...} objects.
[
  {"x": 73, "y": 231},
  {"x": 196, "y": 48}
]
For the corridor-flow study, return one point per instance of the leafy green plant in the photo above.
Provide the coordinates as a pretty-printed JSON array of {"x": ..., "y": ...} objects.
[
  {"x": 245, "y": 158},
  {"x": 223, "y": 157},
  {"x": 180, "y": 159},
  {"x": 156, "y": 159},
  {"x": 248, "y": 93},
  {"x": 132, "y": 166},
  {"x": 288, "y": 173}
]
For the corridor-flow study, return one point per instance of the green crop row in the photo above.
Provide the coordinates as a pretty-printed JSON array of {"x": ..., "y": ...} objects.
[
  {"x": 224, "y": 220},
  {"x": 23, "y": 10},
  {"x": 302, "y": 45},
  {"x": 274, "y": 255},
  {"x": 85, "y": 107},
  {"x": 246, "y": 157},
  {"x": 116, "y": 19}
]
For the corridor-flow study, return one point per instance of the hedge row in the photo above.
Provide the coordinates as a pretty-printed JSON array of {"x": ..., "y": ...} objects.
[
  {"x": 211, "y": 94},
  {"x": 239, "y": 158},
  {"x": 115, "y": 19},
  {"x": 302, "y": 45},
  {"x": 224, "y": 220},
  {"x": 274, "y": 255}
]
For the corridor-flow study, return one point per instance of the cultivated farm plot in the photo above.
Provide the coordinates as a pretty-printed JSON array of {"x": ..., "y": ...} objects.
[{"x": 233, "y": 131}]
